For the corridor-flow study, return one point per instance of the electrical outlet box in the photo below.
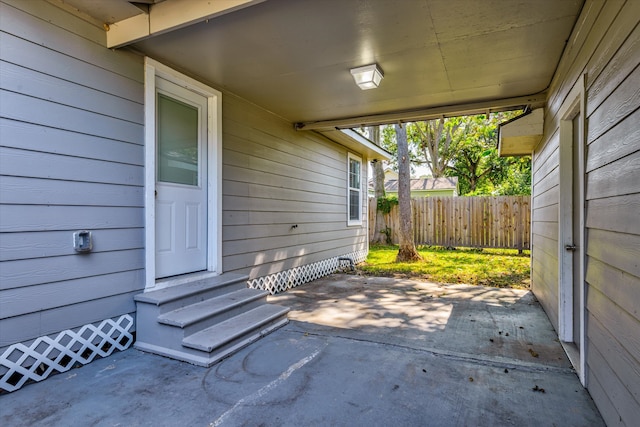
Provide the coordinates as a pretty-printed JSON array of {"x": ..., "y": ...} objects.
[{"x": 82, "y": 241}]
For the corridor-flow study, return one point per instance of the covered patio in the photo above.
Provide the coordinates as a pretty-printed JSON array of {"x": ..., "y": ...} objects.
[{"x": 357, "y": 351}]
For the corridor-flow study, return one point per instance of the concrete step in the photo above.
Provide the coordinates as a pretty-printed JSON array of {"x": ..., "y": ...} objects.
[
  {"x": 201, "y": 315},
  {"x": 238, "y": 331},
  {"x": 204, "y": 318},
  {"x": 190, "y": 289}
]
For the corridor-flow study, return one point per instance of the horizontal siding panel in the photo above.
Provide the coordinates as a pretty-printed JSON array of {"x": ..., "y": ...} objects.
[
  {"x": 243, "y": 261},
  {"x": 236, "y": 218},
  {"x": 603, "y": 46},
  {"x": 293, "y": 171},
  {"x": 603, "y": 402},
  {"x": 276, "y": 177},
  {"x": 275, "y": 267},
  {"x": 250, "y": 116},
  {"x": 546, "y": 160},
  {"x": 273, "y": 205},
  {"x": 547, "y": 198},
  {"x": 283, "y": 153},
  {"x": 254, "y": 182},
  {"x": 618, "y": 142},
  {"x": 626, "y": 292},
  {"x": 59, "y": 141},
  {"x": 546, "y": 229},
  {"x": 547, "y": 169},
  {"x": 31, "y": 83},
  {"x": 547, "y": 182},
  {"x": 30, "y": 326},
  {"x": 615, "y": 57},
  {"x": 270, "y": 147},
  {"x": 32, "y": 299},
  {"x": 616, "y": 249},
  {"x": 247, "y": 246},
  {"x": 17, "y": 218},
  {"x": 61, "y": 18},
  {"x": 592, "y": 26},
  {"x": 627, "y": 409},
  {"x": 16, "y": 246},
  {"x": 274, "y": 218},
  {"x": 24, "y": 163},
  {"x": 615, "y": 179},
  {"x": 544, "y": 279},
  {"x": 625, "y": 366},
  {"x": 546, "y": 214},
  {"x": 548, "y": 246},
  {"x": 39, "y": 58},
  {"x": 45, "y": 113},
  {"x": 55, "y": 269},
  {"x": 36, "y": 191},
  {"x": 620, "y": 104},
  {"x": 242, "y": 119},
  {"x": 619, "y": 214},
  {"x": 621, "y": 327},
  {"x": 303, "y": 143},
  {"x": 238, "y": 189},
  {"x": 242, "y": 232},
  {"x": 40, "y": 31}
]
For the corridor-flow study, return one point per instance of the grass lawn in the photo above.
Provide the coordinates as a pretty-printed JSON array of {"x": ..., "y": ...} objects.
[{"x": 502, "y": 268}]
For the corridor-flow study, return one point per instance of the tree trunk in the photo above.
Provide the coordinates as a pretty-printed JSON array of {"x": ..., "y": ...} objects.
[
  {"x": 380, "y": 223},
  {"x": 407, "y": 251}
]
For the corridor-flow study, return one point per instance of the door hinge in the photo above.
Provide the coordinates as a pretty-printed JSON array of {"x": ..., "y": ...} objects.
[{"x": 570, "y": 247}]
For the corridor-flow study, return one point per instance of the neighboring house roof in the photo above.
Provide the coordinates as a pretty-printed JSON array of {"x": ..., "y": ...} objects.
[{"x": 424, "y": 184}]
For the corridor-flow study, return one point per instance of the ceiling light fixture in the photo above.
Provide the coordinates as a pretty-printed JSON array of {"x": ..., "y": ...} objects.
[{"x": 367, "y": 77}]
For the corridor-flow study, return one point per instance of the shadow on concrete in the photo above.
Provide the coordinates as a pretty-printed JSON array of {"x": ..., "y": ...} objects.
[
  {"x": 359, "y": 351},
  {"x": 463, "y": 319}
]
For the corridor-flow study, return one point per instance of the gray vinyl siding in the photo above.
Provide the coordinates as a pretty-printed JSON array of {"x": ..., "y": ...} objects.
[
  {"x": 275, "y": 177},
  {"x": 607, "y": 49},
  {"x": 71, "y": 158}
]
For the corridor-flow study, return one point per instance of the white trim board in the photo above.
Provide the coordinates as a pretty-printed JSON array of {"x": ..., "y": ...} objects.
[
  {"x": 152, "y": 70},
  {"x": 573, "y": 105}
]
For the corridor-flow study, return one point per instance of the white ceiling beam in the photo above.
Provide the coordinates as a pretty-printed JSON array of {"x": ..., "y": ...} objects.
[
  {"x": 167, "y": 16},
  {"x": 483, "y": 107}
]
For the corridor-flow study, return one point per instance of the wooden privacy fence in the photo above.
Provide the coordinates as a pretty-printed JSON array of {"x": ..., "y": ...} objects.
[{"x": 482, "y": 222}]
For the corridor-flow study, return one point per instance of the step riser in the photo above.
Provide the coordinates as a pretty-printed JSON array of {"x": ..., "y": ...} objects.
[
  {"x": 245, "y": 340},
  {"x": 204, "y": 319},
  {"x": 228, "y": 332},
  {"x": 148, "y": 330},
  {"x": 205, "y": 359},
  {"x": 203, "y": 295},
  {"x": 222, "y": 316}
]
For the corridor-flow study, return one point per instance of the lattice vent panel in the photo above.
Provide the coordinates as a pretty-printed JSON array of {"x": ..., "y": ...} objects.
[
  {"x": 296, "y": 276},
  {"x": 20, "y": 362}
]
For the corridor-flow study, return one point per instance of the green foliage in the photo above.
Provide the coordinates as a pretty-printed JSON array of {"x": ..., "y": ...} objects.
[
  {"x": 465, "y": 147},
  {"x": 517, "y": 180},
  {"x": 385, "y": 204},
  {"x": 503, "y": 268}
]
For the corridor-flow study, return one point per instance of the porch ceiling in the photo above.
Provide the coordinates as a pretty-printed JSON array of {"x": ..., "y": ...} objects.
[{"x": 293, "y": 57}]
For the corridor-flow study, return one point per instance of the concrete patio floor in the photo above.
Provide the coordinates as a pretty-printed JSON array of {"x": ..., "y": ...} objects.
[{"x": 358, "y": 351}]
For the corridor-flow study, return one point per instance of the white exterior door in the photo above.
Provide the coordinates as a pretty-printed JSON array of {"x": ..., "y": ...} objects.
[{"x": 181, "y": 180}]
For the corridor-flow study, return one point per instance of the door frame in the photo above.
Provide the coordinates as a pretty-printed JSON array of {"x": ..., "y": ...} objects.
[
  {"x": 152, "y": 70},
  {"x": 575, "y": 103}
]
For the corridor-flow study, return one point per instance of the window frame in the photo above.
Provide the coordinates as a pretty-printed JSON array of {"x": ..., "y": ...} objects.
[{"x": 359, "y": 221}]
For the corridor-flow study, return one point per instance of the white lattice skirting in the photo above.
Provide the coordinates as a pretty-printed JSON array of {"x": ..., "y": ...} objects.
[
  {"x": 20, "y": 363},
  {"x": 296, "y": 276}
]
